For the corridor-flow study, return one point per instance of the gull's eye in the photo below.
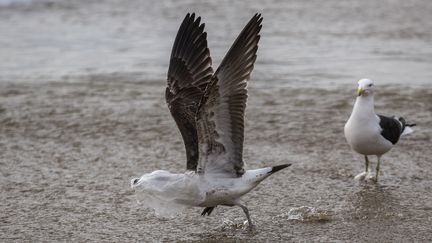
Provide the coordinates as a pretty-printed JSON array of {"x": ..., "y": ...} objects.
[{"x": 370, "y": 85}]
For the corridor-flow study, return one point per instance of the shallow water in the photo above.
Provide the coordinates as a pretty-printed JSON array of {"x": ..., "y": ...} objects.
[
  {"x": 317, "y": 42},
  {"x": 82, "y": 112}
]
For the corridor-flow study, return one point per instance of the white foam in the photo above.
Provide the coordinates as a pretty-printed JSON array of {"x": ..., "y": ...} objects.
[
  {"x": 305, "y": 213},
  {"x": 229, "y": 224}
]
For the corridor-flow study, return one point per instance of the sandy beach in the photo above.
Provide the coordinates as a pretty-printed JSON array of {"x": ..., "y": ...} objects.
[{"x": 75, "y": 130}]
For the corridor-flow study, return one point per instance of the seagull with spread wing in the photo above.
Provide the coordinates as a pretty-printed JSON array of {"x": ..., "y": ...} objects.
[
  {"x": 370, "y": 134},
  {"x": 208, "y": 108}
]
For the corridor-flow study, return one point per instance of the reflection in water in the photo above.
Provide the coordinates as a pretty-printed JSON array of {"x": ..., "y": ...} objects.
[
  {"x": 375, "y": 202},
  {"x": 229, "y": 231}
]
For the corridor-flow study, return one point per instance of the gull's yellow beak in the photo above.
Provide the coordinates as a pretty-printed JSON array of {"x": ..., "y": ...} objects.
[{"x": 360, "y": 91}]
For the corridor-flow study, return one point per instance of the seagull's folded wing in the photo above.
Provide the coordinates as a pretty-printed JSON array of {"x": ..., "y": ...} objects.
[
  {"x": 391, "y": 128},
  {"x": 220, "y": 118}
]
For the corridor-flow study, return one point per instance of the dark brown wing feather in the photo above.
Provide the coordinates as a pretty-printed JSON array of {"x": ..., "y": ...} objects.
[
  {"x": 220, "y": 120},
  {"x": 188, "y": 75}
]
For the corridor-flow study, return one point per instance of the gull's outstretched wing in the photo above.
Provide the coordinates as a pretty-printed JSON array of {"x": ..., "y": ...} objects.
[
  {"x": 220, "y": 118},
  {"x": 189, "y": 73}
]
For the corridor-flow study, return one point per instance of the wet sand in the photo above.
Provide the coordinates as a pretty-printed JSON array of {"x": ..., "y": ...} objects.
[
  {"x": 70, "y": 149},
  {"x": 82, "y": 112}
]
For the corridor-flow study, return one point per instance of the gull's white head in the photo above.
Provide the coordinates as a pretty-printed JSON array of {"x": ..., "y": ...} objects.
[
  {"x": 154, "y": 180},
  {"x": 134, "y": 182},
  {"x": 365, "y": 87},
  {"x": 148, "y": 179}
]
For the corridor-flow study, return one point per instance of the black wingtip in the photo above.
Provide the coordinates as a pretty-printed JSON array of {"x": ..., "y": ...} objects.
[
  {"x": 259, "y": 17},
  {"x": 189, "y": 16},
  {"x": 279, "y": 167},
  {"x": 401, "y": 119}
]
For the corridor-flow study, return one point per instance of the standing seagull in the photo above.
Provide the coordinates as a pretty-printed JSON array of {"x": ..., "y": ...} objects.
[
  {"x": 209, "y": 111},
  {"x": 371, "y": 134}
]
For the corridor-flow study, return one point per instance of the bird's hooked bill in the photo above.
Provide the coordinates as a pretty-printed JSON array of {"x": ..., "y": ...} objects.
[{"x": 360, "y": 91}]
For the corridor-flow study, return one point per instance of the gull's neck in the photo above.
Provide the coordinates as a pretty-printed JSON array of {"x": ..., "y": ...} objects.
[{"x": 364, "y": 106}]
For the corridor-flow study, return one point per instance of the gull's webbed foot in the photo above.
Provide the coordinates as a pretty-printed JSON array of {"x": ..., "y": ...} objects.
[
  {"x": 246, "y": 211},
  {"x": 251, "y": 226},
  {"x": 370, "y": 177},
  {"x": 361, "y": 176},
  {"x": 365, "y": 176}
]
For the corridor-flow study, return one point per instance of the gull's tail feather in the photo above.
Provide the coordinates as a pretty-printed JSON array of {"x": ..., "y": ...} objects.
[
  {"x": 278, "y": 168},
  {"x": 406, "y": 128},
  {"x": 258, "y": 175},
  {"x": 407, "y": 131}
]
